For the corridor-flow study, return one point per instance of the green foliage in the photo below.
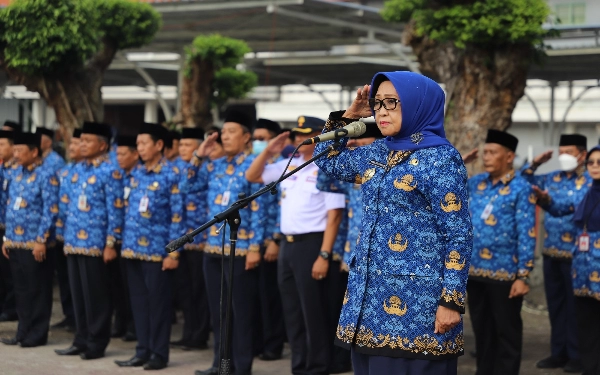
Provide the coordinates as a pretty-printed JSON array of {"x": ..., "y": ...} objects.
[
  {"x": 49, "y": 37},
  {"x": 232, "y": 83},
  {"x": 481, "y": 22},
  {"x": 220, "y": 51}
]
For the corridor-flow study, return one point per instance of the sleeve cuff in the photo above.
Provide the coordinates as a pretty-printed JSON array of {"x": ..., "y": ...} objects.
[{"x": 453, "y": 300}]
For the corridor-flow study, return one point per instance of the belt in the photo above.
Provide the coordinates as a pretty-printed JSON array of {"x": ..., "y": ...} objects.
[{"x": 301, "y": 237}]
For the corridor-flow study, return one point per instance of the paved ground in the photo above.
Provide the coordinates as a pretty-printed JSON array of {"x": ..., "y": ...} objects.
[{"x": 43, "y": 361}]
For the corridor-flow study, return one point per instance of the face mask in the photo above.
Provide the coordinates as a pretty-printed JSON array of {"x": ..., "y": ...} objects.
[
  {"x": 259, "y": 146},
  {"x": 567, "y": 162}
]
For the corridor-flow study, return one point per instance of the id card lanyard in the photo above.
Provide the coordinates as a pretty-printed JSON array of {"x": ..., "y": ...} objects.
[
  {"x": 487, "y": 211},
  {"x": 19, "y": 199},
  {"x": 227, "y": 193},
  {"x": 584, "y": 238},
  {"x": 82, "y": 200}
]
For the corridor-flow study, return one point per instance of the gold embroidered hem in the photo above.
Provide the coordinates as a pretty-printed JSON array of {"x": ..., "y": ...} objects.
[
  {"x": 556, "y": 253},
  {"x": 19, "y": 245},
  {"x": 91, "y": 252},
  {"x": 239, "y": 252},
  {"x": 423, "y": 344},
  {"x": 499, "y": 275},
  {"x": 453, "y": 296},
  {"x": 131, "y": 254},
  {"x": 586, "y": 292}
]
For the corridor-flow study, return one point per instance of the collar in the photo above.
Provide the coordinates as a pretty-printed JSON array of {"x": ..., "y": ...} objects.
[
  {"x": 157, "y": 168},
  {"x": 97, "y": 161},
  {"x": 45, "y": 154},
  {"x": 507, "y": 178},
  {"x": 239, "y": 158},
  {"x": 33, "y": 165},
  {"x": 9, "y": 163}
]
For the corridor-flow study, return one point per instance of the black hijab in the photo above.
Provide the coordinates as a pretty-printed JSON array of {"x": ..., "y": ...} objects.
[{"x": 589, "y": 208}]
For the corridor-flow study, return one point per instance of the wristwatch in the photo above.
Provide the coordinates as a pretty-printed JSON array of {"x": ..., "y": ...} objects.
[
  {"x": 324, "y": 254},
  {"x": 524, "y": 279},
  {"x": 110, "y": 243}
]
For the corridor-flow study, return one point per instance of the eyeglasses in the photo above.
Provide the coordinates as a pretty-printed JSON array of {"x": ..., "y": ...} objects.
[
  {"x": 593, "y": 162},
  {"x": 387, "y": 103}
]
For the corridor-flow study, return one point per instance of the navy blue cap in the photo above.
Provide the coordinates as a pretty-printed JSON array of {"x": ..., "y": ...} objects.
[{"x": 308, "y": 124}]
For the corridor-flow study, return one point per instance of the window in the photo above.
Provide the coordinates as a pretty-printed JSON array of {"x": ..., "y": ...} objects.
[{"x": 571, "y": 14}]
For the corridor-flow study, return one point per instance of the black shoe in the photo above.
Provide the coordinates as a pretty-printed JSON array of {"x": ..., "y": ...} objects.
[
  {"x": 552, "y": 362},
  {"x": 25, "y": 344},
  {"x": 114, "y": 333},
  {"x": 9, "y": 341},
  {"x": 70, "y": 328},
  {"x": 574, "y": 366},
  {"x": 178, "y": 343},
  {"x": 340, "y": 368},
  {"x": 473, "y": 354},
  {"x": 210, "y": 371},
  {"x": 71, "y": 350},
  {"x": 132, "y": 362},
  {"x": 268, "y": 356},
  {"x": 155, "y": 363},
  {"x": 201, "y": 346},
  {"x": 4, "y": 317},
  {"x": 91, "y": 355},
  {"x": 65, "y": 323},
  {"x": 129, "y": 336}
]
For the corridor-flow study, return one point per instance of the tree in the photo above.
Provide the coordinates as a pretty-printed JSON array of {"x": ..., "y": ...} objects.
[
  {"x": 210, "y": 77},
  {"x": 481, "y": 50},
  {"x": 61, "y": 49}
]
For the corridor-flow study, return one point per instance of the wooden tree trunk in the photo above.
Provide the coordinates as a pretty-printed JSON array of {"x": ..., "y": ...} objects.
[
  {"x": 483, "y": 86},
  {"x": 196, "y": 92}
]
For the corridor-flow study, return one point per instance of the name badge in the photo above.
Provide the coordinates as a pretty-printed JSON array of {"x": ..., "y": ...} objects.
[
  {"x": 487, "y": 211},
  {"x": 226, "y": 197},
  {"x": 584, "y": 242},
  {"x": 144, "y": 202},
  {"x": 4, "y": 184},
  {"x": 17, "y": 204},
  {"x": 126, "y": 192},
  {"x": 82, "y": 202}
]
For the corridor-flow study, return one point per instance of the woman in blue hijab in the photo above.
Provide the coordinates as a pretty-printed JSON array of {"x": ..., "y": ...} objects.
[
  {"x": 585, "y": 268},
  {"x": 408, "y": 273}
]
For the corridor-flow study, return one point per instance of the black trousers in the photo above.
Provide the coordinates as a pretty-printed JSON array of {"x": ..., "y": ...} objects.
[
  {"x": 245, "y": 296},
  {"x": 151, "y": 289},
  {"x": 193, "y": 298},
  {"x": 33, "y": 295},
  {"x": 62, "y": 276},
  {"x": 7, "y": 293},
  {"x": 90, "y": 288},
  {"x": 119, "y": 291},
  {"x": 497, "y": 326},
  {"x": 561, "y": 308},
  {"x": 365, "y": 364},
  {"x": 272, "y": 332},
  {"x": 337, "y": 282},
  {"x": 587, "y": 311},
  {"x": 305, "y": 306}
]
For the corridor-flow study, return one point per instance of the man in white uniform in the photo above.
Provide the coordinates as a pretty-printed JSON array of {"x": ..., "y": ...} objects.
[{"x": 309, "y": 223}]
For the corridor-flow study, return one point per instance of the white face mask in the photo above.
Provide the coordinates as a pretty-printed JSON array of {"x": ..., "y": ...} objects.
[{"x": 568, "y": 163}]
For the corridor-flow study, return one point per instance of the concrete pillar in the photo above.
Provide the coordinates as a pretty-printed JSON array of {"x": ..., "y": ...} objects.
[{"x": 151, "y": 111}]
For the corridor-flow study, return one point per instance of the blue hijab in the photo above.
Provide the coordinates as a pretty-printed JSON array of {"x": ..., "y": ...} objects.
[
  {"x": 422, "y": 101},
  {"x": 589, "y": 208}
]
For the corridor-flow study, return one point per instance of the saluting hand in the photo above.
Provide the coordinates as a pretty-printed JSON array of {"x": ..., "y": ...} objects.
[
  {"x": 470, "y": 156},
  {"x": 518, "y": 289},
  {"x": 445, "y": 319},
  {"x": 277, "y": 144},
  {"x": 39, "y": 252},
  {"x": 360, "y": 106},
  {"x": 542, "y": 158},
  {"x": 207, "y": 146},
  {"x": 5, "y": 251}
]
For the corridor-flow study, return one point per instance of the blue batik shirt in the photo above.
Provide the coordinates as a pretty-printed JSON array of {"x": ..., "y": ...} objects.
[
  {"x": 64, "y": 176},
  {"x": 94, "y": 207},
  {"x": 195, "y": 210},
  {"x": 413, "y": 249},
  {"x": 354, "y": 219},
  {"x": 7, "y": 171},
  {"x": 585, "y": 268},
  {"x": 149, "y": 230},
  {"x": 53, "y": 162},
  {"x": 32, "y": 206},
  {"x": 269, "y": 206},
  {"x": 504, "y": 241},
  {"x": 223, "y": 180},
  {"x": 330, "y": 185},
  {"x": 560, "y": 230}
]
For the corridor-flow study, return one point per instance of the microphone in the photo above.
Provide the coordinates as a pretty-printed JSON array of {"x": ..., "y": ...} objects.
[{"x": 355, "y": 129}]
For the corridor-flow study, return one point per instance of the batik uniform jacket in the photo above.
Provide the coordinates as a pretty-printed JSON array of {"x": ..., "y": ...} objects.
[
  {"x": 223, "y": 181},
  {"x": 585, "y": 268},
  {"x": 354, "y": 219},
  {"x": 53, "y": 162},
  {"x": 269, "y": 206},
  {"x": 330, "y": 185},
  {"x": 148, "y": 231},
  {"x": 413, "y": 250},
  {"x": 64, "y": 176},
  {"x": 195, "y": 211},
  {"x": 504, "y": 241},
  {"x": 95, "y": 207},
  {"x": 7, "y": 170},
  {"x": 31, "y": 207},
  {"x": 560, "y": 231}
]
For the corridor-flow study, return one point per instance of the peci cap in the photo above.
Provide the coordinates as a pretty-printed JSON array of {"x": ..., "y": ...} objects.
[
  {"x": 156, "y": 130},
  {"x": 502, "y": 138},
  {"x": 7, "y": 134},
  {"x": 32, "y": 139},
  {"x": 126, "y": 140},
  {"x": 45, "y": 131},
  {"x": 15, "y": 126},
  {"x": 573, "y": 140},
  {"x": 270, "y": 125},
  {"x": 308, "y": 124},
  {"x": 76, "y": 133},
  {"x": 239, "y": 117},
  {"x": 97, "y": 128},
  {"x": 192, "y": 133}
]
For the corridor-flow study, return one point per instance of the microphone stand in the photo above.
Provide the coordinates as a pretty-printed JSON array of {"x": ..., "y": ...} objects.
[{"x": 232, "y": 216}]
